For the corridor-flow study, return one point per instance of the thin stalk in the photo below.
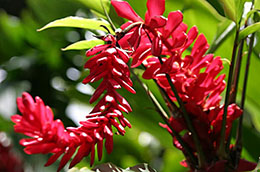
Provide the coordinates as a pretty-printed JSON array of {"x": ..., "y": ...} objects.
[
  {"x": 169, "y": 103},
  {"x": 109, "y": 19},
  {"x": 238, "y": 144},
  {"x": 219, "y": 40},
  {"x": 195, "y": 137},
  {"x": 236, "y": 74},
  {"x": 221, "y": 151},
  {"x": 164, "y": 116}
]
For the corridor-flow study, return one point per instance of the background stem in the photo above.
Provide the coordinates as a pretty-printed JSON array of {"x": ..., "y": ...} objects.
[{"x": 221, "y": 151}]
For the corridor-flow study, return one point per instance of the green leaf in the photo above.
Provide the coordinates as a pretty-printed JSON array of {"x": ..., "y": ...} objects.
[
  {"x": 77, "y": 22},
  {"x": 249, "y": 30},
  {"x": 233, "y": 9},
  {"x": 95, "y": 7},
  {"x": 257, "y": 4},
  {"x": 230, "y": 11},
  {"x": 225, "y": 29},
  {"x": 216, "y": 4},
  {"x": 83, "y": 45}
]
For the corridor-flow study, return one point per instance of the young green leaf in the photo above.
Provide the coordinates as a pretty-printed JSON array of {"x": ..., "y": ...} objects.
[
  {"x": 229, "y": 9},
  {"x": 257, "y": 4},
  {"x": 233, "y": 9},
  {"x": 249, "y": 30},
  {"x": 77, "y": 22},
  {"x": 83, "y": 45}
]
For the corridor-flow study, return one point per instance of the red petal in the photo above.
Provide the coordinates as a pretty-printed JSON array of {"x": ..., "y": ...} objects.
[
  {"x": 155, "y": 7},
  {"x": 82, "y": 152},
  {"x": 92, "y": 156},
  {"x": 96, "y": 49},
  {"x": 123, "y": 9},
  {"x": 157, "y": 46},
  {"x": 66, "y": 157},
  {"x": 174, "y": 20},
  {"x": 157, "y": 21},
  {"x": 53, "y": 158},
  {"x": 100, "y": 149},
  {"x": 109, "y": 144},
  {"x": 40, "y": 148}
]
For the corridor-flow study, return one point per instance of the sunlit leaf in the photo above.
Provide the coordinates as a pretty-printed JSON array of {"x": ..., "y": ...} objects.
[
  {"x": 249, "y": 30},
  {"x": 229, "y": 9},
  {"x": 77, "y": 22},
  {"x": 257, "y": 4},
  {"x": 233, "y": 9},
  {"x": 83, "y": 45}
]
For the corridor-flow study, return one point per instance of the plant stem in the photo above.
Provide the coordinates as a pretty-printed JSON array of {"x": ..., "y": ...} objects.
[
  {"x": 234, "y": 86},
  {"x": 221, "y": 151},
  {"x": 238, "y": 144},
  {"x": 219, "y": 40},
  {"x": 164, "y": 116},
  {"x": 195, "y": 137},
  {"x": 109, "y": 19}
]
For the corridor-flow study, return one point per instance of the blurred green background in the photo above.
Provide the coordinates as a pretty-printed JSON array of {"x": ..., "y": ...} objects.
[{"x": 33, "y": 61}]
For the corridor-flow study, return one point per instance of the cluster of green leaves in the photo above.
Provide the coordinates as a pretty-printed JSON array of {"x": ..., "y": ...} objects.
[{"x": 34, "y": 61}]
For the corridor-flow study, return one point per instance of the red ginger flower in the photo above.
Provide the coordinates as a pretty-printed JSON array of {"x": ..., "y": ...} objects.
[
  {"x": 50, "y": 136},
  {"x": 196, "y": 76},
  {"x": 146, "y": 30}
]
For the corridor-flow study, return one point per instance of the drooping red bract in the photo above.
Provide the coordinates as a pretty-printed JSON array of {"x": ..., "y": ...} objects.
[{"x": 50, "y": 136}]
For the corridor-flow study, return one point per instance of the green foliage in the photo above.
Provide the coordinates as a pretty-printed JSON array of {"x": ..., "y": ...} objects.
[
  {"x": 233, "y": 9},
  {"x": 249, "y": 30},
  {"x": 83, "y": 45},
  {"x": 77, "y": 22}
]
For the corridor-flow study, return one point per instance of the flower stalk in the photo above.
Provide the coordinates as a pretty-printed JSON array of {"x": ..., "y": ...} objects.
[
  {"x": 221, "y": 151},
  {"x": 239, "y": 144}
]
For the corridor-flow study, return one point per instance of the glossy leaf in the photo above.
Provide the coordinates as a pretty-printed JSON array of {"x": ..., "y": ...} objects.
[
  {"x": 249, "y": 30},
  {"x": 83, "y": 45},
  {"x": 229, "y": 8},
  {"x": 257, "y": 4},
  {"x": 77, "y": 22},
  {"x": 233, "y": 9}
]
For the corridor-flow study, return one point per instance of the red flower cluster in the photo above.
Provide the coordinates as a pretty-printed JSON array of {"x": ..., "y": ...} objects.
[
  {"x": 195, "y": 76},
  {"x": 158, "y": 43},
  {"x": 50, "y": 136}
]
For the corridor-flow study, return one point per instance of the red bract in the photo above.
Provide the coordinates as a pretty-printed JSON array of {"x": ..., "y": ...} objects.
[
  {"x": 50, "y": 136},
  {"x": 145, "y": 30},
  {"x": 195, "y": 76}
]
